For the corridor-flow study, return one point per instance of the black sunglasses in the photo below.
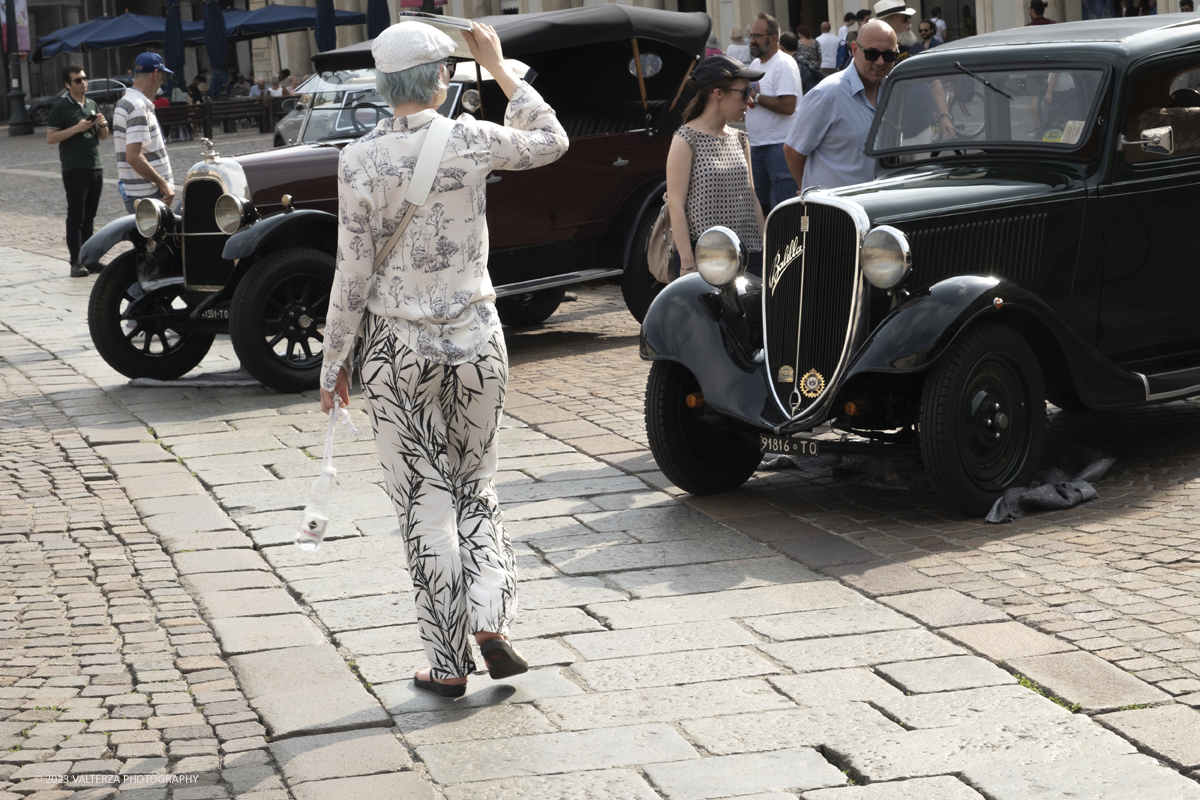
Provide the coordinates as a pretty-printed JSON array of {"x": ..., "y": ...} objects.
[
  {"x": 872, "y": 55},
  {"x": 745, "y": 93},
  {"x": 80, "y": 79}
]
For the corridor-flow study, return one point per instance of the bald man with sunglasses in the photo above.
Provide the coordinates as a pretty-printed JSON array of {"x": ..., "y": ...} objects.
[{"x": 825, "y": 144}]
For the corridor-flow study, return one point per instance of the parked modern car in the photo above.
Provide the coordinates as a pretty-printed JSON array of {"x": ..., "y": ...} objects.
[
  {"x": 105, "y": 91},
  {"x": 1047, "y": 251},
  {"x": 250, "y": 250},
  {"x": 287, "y": 129}
]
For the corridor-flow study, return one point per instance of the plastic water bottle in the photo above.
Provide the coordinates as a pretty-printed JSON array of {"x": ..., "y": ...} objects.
[{"x": 316, "y": 513}]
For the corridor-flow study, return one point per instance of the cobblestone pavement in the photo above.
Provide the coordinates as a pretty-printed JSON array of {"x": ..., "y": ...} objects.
[{"x": 775, "y": 642}]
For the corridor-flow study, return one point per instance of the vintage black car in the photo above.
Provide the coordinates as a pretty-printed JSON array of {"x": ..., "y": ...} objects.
[
  {"x": 250, "y": 251},
  {"x": 1048, "y": 251}
]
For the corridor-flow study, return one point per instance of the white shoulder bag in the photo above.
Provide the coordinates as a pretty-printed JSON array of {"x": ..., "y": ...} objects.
[{"x": 422, "y": 180}]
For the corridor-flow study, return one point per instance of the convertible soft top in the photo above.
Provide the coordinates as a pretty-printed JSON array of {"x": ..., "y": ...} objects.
[{"x": 521, "y": 34}]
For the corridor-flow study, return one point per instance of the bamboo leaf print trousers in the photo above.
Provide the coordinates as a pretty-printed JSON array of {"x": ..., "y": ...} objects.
[{"x": 435, "y": 427}]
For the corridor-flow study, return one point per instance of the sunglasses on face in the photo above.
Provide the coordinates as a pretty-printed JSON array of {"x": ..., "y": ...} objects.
[
  {"x": 745, "y": 93},
  {"x": 872, "y": 55},
  {"x": 80, "y": 79}
]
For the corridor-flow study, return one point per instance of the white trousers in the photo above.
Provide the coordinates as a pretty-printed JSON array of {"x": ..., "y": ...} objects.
[{"x": 435, "y": 426}]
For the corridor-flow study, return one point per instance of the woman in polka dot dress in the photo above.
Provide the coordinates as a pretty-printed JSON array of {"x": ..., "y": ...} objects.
[{"x": 709, "y": 181}]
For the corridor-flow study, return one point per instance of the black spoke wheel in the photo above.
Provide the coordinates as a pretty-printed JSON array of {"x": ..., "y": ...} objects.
[
  {"x": 529, "y": 308},
  {"x": 638, "y": 286},
  {"x": 983, "y": 418},
  {"x": 277, "y": 319},
  {"x": 142, "y": 335},
  {"x": 696, "y": 453}
]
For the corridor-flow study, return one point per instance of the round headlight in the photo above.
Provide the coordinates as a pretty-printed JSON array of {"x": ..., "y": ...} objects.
[
  {"x": 719, "y": 257},
  {"x": 886, "y": 258},
  {"x": 148, "y": 215},
  {"x": 230, "y": 213}
]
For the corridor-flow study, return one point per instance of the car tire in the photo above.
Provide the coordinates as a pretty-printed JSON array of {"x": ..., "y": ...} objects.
[
  {"x": 175, "y": 354},
  {"x": 974, "y": 451},
  {"x": 278, "y": 315},
  {"x": 638, "y": 286},
  {"x": 530, "y": 308},
  {"x": 695, "y": 454},
  {"x": 41, "y": 116}
]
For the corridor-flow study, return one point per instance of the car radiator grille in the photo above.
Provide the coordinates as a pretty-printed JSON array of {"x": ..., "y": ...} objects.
[
  {"x": 1009, "y": 247},
  {"x": 203, "y": 241},
  {"x": 809, "y": 305}
]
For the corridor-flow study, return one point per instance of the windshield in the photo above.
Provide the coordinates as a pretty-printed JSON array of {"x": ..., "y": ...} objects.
[
  {"x": 345, "y": 105},
  {"x": 988, "y": 109}
]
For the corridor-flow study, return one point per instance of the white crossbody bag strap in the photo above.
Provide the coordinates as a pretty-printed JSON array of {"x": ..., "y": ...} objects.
[{"x": 422, "y": 180}]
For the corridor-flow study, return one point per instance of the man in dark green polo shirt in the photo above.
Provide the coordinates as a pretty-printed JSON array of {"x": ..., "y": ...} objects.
[{"x": 77, "y": 126}]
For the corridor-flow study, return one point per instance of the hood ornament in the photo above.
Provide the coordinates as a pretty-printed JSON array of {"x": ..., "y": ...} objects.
[{"x": 210, "y": 150}]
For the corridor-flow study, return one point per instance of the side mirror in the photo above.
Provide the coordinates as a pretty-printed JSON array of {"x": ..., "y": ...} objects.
[
  {"x": 1159, "y": 140},
  {"x": 288, "y": 105}
]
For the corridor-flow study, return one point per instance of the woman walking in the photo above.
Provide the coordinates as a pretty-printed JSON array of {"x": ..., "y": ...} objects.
[
  {"x": 433, "y": 364},
  {"x": 708, "y": 166}
]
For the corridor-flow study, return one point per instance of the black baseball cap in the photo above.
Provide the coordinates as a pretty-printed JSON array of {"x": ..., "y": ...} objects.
[{"x": 722, "y": 68}]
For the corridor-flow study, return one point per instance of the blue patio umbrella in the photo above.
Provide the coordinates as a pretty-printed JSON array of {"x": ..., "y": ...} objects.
[
  {"x": 216, "y": 42},
  {"x": 129, "y": 30},
  {"x": 173, "y": 46},
  {"x": 273, "y": 19},
  {"x": 378, "y": 18},
  {"x": 51, "y": 44},
  {"x": 325, "y": 32}
]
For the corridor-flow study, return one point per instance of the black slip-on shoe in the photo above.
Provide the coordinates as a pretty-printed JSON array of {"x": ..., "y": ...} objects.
[
  {"x": 502, "y": 660},
  {"x": 79, "y": 271}
]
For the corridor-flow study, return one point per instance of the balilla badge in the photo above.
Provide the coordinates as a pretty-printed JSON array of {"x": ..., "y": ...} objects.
[{"x": 783, "y": 259}]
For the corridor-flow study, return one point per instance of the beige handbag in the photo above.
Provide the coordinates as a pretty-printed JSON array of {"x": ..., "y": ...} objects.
[{"x": 660, "y": 248}]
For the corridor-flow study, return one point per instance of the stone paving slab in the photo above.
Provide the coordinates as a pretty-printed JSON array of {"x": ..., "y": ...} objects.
[
  {"x": 941, "y": 608},
  {"x": 394, "y": 784},
  {"x": 713, "y": 577},
  {"x": 400, "y": 697},
  {"x": 943, "y": 787},
  {"x": 607, "y": 784},
  {"x": 726, "y": 776},
  {"x": 305, "y": 690},
  {"x": 1003, "y": 641},
  {"x": 662, "y": 704},
  {"x": 816, "y": 726},
  {"x": 1085, "y": 679},
  {"x": 811, "y": 655},
  {"x": 251, "y": 634},
  {"x": 1126, "y": 777},
  {"x": 639, "y": 672},
  {"x": 1170, "y": 732},
  {"x": 944, "y": 674},
  {"x": 473, "y": 724},
  {"x": 708, "y": 634},
  {"x": 877, "y": 578},
  {"x": 829, "y": 622},
  {"x": 556, "y": 752},
  {"x": 981, "y": 706},
  {"x": 723, "y": 605},
  {"x": 339, "y": 755},
  {"x": 941, "y": 751},
  {"x": 835, "y": 686}
]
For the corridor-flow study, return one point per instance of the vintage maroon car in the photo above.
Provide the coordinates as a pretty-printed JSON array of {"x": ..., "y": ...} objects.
[{"x": 250, "y": 249}]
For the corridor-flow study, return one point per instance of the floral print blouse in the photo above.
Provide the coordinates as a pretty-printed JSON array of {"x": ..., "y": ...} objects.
[{"x": 433, "y": 287}]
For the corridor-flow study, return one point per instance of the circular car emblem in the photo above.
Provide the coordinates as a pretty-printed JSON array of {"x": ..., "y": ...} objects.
[{"x": 812, "y": 384}]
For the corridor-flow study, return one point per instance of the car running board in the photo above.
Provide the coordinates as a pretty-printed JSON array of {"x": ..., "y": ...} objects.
[
  {"x": 1170, "y": 385},
  {"x": 567, "y": 279}
]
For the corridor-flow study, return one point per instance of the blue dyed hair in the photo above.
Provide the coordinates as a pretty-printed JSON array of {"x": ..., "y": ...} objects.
[{"x": 419, "y": 84}]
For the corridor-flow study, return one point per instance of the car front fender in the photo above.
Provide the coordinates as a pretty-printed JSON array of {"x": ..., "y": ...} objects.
[
  {"x": 306, "y": 227},
  {"x": 686, "y": 324},
  {"x": 103, "y": 240},
  {"x": 915, "y": 336}
]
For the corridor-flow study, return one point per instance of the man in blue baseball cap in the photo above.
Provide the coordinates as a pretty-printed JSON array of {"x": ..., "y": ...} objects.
[{"x": 143, "y": 166}]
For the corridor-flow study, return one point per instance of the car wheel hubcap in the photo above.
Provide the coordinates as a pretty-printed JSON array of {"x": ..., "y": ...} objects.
[
  {"x": 292, "y": 329},
  {"x": 993, "y": 423}
]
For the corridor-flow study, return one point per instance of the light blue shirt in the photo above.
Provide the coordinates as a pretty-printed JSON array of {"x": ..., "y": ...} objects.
[{"x": 830, "y": 129}]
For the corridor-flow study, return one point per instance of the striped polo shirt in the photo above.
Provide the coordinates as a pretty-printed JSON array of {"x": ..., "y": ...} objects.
[{"x": 134, "y": 121}]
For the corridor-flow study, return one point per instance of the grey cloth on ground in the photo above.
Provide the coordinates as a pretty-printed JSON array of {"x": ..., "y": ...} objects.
[{"x": 1055, "y": 488}]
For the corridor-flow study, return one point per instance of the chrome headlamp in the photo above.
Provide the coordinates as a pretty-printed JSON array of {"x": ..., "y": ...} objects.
[
  {"x": 886, "y": 257},
  {"x": 150, "y": 216},
  {"x": 232, "y": 213},
  {"x": 719, "y": 256}
]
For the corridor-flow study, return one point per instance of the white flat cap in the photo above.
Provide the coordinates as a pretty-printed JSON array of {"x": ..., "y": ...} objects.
[{"x": 409, "y": 44}]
